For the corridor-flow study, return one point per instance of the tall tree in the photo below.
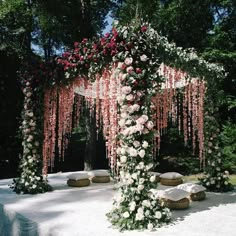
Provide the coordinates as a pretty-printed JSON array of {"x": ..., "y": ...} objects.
[{"x": 28, "y": 27}]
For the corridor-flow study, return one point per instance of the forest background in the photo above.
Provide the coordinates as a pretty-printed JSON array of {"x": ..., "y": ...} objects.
[{"x": 40, "y": 30}]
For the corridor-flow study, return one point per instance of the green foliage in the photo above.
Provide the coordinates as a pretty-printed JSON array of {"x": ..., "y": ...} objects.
[
  {"x": 15, "y": 23},
  {"x": 228, "y": 137},
  {"x": 49, "y": 25}
]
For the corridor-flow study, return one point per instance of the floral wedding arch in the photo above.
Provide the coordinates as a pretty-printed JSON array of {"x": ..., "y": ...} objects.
[{"x": 136, "y": 82}]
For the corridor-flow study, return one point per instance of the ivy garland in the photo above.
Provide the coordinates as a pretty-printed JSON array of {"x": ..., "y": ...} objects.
[{"x": 139, "y": 50}]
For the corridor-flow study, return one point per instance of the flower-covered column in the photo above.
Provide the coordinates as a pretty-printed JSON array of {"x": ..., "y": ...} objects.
[
  {"x": 31, "y": 179},
  {"x": 214, "y": 178},
  {"x": 134, "y": 207}
]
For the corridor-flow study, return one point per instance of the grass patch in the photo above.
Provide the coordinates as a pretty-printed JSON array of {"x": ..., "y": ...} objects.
[{"x": 194, "y": 178}]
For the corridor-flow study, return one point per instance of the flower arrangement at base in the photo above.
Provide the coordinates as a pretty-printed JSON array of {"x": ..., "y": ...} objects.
[
  {"x": 214, "y": 178},
  {"x": 31, "y": 180}
]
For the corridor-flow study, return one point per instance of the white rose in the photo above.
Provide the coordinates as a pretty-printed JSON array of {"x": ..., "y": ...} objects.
[
  {"x": 149, "y": 125},
  {"x": 153, "y": 178},
  {"x": 143, "y": 57},
  {"x": 31, "y": 114},
  {"x": 120, "y": 64},
  {"x": 141, "y": 120},
  {"x": 145, "y": 131},
  {"x": 136, "y": 143},
  {"x": 118, "y": 150},
  {"x": 26, "y": 150},
  {"x": 124, "y": 76},
  {"x": 147, "y": 213},
  {"x": 140, "y": 210},
  {"x": 139, "y": 94},
  {"x": 158, "y": 215},
  {"x": 28, "y": 94},
  {"x": 130, "y": 97},
  {"x": 36, "y": 143},
  {"x": 130, "y": 181},
  {"x": 150, "y": 226},
  {"x": 141, "y": 153},
  {"x": 121, "y": 122},
  {"x": 141, "y": 165},
  {"x": 149, "y": 166},
  {"x": 140, "y": 187},
  {"x": 128, "y": 61},
  {"x": 141, "y": 180},
  {"x": 132, "y": 206},
  {"x": 128, "y": 122},
  {"x": 136, "y": 107},
  {"x": 146, "y": 203},
  {"x": 126, "y": 214},
  {"x": 134, "y": 176},
  {"x": 124, "y": 115},
  {"x": 122, "y": 151},
  {"x": 133, "y": 152},
  {"x": 126, "y": 132},
  {"x": 123, "y": 159},
  {"x": 145, "y": 144},
  {"x": 139, "y": 127},
  {"x": 139, "y": 216},
  {"x": 34, "y": 186},
  {"x": 126, "y": 90}
]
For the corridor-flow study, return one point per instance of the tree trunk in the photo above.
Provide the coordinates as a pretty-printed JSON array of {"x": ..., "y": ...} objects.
[{"x": 90, "y": 148}]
